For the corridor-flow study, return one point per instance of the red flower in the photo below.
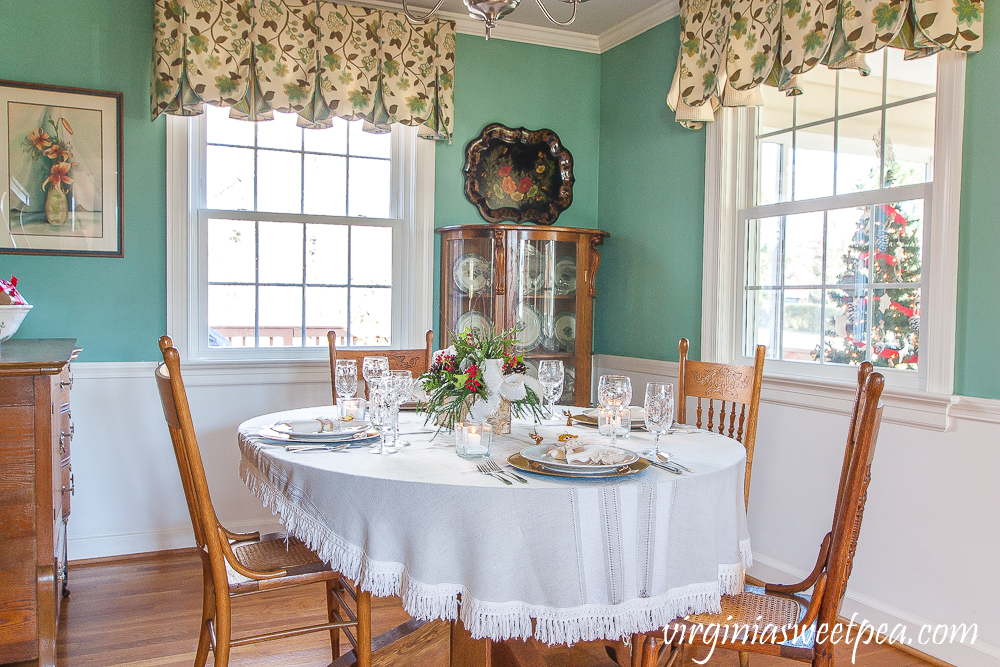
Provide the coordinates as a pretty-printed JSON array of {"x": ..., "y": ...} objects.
[
  {"x": 504, "y": 171},
  {"x": 524, "y": 185}
]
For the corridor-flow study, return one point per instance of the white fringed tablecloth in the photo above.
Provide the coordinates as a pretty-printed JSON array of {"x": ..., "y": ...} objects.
[{"x": 587, "y": 559}]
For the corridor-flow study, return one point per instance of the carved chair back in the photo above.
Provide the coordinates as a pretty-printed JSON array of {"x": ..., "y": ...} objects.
[
  {"x": 727, "y": 384},
  {"x": 416, "y": 360},
  {"x": 177, "y": 413},
  {"x": 853, "y": 492}
]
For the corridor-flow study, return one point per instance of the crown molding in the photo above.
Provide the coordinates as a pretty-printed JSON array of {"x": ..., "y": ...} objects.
[
  {"x": 556, "y": 37},
  {"x": 634, "y": 26}
]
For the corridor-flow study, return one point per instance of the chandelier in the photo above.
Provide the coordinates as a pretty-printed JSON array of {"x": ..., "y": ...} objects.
[{"x": 491, "y": 11}]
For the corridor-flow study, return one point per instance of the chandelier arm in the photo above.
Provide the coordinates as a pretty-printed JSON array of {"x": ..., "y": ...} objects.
[
  {"x": 422, "y": 20},
  {"x": 549, "y": 16}
]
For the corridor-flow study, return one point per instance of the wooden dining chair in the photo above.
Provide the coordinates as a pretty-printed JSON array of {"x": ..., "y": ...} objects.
[
  {"x": 415, "y": 360},
  {"x": 239, "y": 564},
  {"x": 726, "y": 383},
  {"x": 778, "y": 619}
]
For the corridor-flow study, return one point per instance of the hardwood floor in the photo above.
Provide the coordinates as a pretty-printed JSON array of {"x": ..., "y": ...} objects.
[{"x": 145, "y": 613}]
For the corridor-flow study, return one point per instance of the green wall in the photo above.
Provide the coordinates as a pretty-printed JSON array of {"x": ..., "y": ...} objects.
[
  {"x": 652, "y": 194},
  {"x": 977, "y": 364},
  {"x": 114, "y": 307}
]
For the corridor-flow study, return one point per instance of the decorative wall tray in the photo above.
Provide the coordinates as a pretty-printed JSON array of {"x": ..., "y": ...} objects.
[{"x": 518, "y": 175}]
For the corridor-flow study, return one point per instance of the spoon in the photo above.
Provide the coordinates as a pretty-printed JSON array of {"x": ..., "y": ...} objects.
[{"x": 666, "y": 459}]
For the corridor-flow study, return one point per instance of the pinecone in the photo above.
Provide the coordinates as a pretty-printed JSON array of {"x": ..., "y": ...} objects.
[{"x": 519, "y": 367}]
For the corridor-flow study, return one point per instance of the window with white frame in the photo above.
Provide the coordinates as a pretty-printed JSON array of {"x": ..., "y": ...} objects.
[
  {"x": 295, "y": 232},
  {"x": 834, "y": 236}
]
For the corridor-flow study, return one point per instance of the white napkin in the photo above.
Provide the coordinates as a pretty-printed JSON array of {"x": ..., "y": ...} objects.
[{"x": 597, "y": 455}]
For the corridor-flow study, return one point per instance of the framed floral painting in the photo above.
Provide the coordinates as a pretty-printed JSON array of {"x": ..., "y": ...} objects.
[
  {"x": 518, "y": 175},
  {"x": 61, "y": 162}
]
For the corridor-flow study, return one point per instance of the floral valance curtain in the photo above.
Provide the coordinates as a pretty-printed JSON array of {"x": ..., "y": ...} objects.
[
  {"x": 314, "y": 58},
  {"x": 730, "y": 47}
]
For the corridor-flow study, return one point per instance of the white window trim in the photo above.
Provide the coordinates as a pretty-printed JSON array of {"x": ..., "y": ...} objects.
[
  {"x": 729, "y": 167},
  {"x": 413, "y": 255}
]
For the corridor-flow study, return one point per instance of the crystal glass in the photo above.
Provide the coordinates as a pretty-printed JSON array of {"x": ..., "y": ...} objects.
[
  {"x": 659, "y": 409},
  {"x": 614, "y": 422},
  {"x": 401, "y": 384},
  {"x": 614, "y": 391},
  {"x": 473, "y": 441},
  {"x": 374, "y": 367},
  {"x": 551, "y": 376},
  {"x": 381, "y": 413},
  {"x": 346, "y": 374}
]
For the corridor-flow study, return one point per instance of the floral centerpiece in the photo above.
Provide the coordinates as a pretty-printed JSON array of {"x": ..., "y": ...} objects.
[{"x": 479, "y": 379}]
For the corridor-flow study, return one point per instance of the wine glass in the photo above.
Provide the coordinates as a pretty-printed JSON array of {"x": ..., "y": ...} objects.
[
  {"x": 550, "y": 376},
  {"x": 374, "y": 367},
  {"x": 614, "y": 391},
  {"x": 380, "y": 411},
  {"x": 346, "y": 375},
  {"x": 659, "y": 411},
  {"x": 401, "y": 385}
]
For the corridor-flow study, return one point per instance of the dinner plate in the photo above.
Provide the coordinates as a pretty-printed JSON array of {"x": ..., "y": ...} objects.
[
  {"x": 472, "y": 273},
  {"x": 589, "y": 418},
  {"x": 320, "y": 428},
  {"x": 565, "y": 331},
  {"x": 474, "y": 321},
  {"x": 531, "y": 321},
  {"x": 565, "y": 272},
  {"x": 540, "y": 454},
  {"x": 638, "y": 414},
  {"x": 355, "y": 440},
  {"x": 525, "y": 465}
]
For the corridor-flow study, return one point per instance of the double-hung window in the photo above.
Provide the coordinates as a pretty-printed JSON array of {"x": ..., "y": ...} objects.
[
  {"x": 295, "y": 232},
  {"x": 834, "y": 234}
]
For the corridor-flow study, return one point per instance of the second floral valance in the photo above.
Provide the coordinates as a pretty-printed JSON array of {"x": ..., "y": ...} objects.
[
  {"x": 730, "y": 47},
  {"x": 310, "y": 57}
]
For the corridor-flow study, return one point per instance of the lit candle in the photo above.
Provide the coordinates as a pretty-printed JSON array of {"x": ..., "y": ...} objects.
[
  {"x": 473, "y": 441},
  {"x": 352, "y": 408}
]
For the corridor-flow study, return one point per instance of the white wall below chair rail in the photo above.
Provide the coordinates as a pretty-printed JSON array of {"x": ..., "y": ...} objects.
[
  {"x": 926, "y": 555},
  {"x": 927, "y": 551}
]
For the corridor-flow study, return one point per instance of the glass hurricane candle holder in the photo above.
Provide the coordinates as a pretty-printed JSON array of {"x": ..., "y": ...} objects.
[
  {"x": 614, "y": 422},
  {"x": 473, "y": 441},
  {"x": 353, "y": 407}
]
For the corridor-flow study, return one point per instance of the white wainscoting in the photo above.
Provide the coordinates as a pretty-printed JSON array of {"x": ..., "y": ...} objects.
[
  {"x": 928, "y": 547},
  {"x": 128, "y": 492}
]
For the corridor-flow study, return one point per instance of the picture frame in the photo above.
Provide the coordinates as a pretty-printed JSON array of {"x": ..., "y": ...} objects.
[
  {"x": 61, "y": 166},
  {"x": 519, "y": 175}
]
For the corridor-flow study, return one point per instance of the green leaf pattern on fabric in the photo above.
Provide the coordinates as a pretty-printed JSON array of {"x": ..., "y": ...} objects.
[
  {"x": 311, "y": 57},
  {"x": 740, "y": 44}
]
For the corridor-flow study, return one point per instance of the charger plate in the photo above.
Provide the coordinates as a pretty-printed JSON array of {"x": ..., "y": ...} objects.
[{"x": 525, "y": 465}]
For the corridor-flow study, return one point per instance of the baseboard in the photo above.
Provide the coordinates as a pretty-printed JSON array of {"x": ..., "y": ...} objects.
[
  {"x": 130, "y": 558},
  {"x": 117, "y": 545},
  {"x": 876, "y": 613}
]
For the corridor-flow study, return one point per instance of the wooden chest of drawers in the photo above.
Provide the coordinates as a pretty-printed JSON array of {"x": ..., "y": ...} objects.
[{"x": 36, "y": 484}]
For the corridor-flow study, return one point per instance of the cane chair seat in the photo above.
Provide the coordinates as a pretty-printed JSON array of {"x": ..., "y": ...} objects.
[
  {"x": 755, "y": 610},
  {"x": 276, "y": 552}
]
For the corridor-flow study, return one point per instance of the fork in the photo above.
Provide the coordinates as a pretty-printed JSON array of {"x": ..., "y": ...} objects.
[
  {"x": 483, "y": 468},
  {"x": 492, "y": 466}
]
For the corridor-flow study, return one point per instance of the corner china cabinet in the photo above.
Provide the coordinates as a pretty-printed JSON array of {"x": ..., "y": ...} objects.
[{"x": 541, "y": 278}]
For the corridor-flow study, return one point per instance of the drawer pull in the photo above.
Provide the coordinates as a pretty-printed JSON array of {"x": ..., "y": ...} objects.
[
  {"x": 69, "y": 383},
  {"x": 65, "y": 438},
  {"x": 72, "y": 486}
]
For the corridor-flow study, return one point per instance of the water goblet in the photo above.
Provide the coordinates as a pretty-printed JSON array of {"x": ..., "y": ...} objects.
[
  {"x": 373, "y": 367},
  {"x": 659, "y": 410},
  {"x": 346, "y": 377},
  {"x": 402, "y": 388},
  {"x": 551, "y": 376},
  {"x": 614, "y": 391},
  {"x": 380, "y": 411}
]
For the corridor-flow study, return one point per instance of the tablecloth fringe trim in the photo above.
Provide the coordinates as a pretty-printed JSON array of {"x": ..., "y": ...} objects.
[{"x": 495, "y": 620}]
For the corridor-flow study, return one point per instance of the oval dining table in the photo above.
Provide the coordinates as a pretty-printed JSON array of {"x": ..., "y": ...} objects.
[{"x": 559, "y": 559}]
